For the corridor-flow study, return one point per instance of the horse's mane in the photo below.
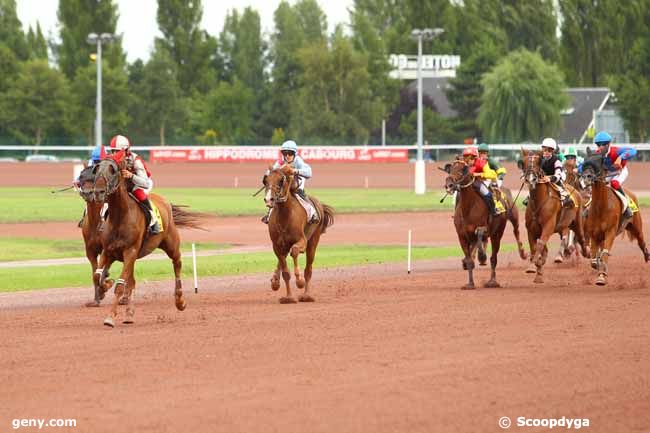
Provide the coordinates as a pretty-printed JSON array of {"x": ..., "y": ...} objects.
[{"x": 594, "y": 162}]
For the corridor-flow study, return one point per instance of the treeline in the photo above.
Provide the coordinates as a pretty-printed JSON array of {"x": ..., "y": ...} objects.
[{"x": 246, "y": 87}]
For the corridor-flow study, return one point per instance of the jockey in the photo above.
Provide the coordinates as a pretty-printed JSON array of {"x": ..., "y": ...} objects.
[
  {"x": 98, "y": 153},
  {"x": 138, "y": 173},
  {"x": 302, "y": 171},
  {"x": 552, "y": 168},
  {"x": 481, "y": 171},
  {"x": 484, "y": 153},
  {"x": 571, "y": 159},
  {"x": 615, "y": 163}
]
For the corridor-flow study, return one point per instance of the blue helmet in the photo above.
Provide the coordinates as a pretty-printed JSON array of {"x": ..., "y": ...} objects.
[
  {"x": 97, "y": 153},
  {"x": 290, "y": 146},
  {"x": 602, "y": 137}
]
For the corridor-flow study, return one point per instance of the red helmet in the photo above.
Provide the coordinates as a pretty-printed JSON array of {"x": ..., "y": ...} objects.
[
  {"x": 119, "y": 142},
  {"x": 470, "y": 151}
]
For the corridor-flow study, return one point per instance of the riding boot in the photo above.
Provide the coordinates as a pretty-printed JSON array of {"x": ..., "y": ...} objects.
[
  {"x": 628, "y": 210},
  {"x": 154, "y": 227},
  {"x": 489, "y": 201}
]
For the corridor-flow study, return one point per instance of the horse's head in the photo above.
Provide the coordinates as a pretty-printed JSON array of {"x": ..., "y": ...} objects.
[
  {"x": 107, "y": 178},
  {"x": 530, "y": 164},
  {"x": 278, "y": 184},
  {"x": 459, "y": 176},
  {"x": 87, "y": 183},
  {"x": 591, "y": 172}
]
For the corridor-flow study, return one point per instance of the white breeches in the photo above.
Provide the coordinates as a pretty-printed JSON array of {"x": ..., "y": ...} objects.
[{"x": 621, "y": 176}]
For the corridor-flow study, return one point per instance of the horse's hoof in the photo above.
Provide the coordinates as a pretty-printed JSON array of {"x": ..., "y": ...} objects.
[
  {"x": 468, "y": 287},
  {"x": 124, "y": 300},
  {"x": 532, "y": 269},
  {"x": 287, "y": 300},
  {"x": 300, "y": 283},
  {"x": 464, "y": 266},
  {"x": 492, "y": 284},
  {"x": 109, "y": 322},
  {"x": 92, "y": 304},
  {"x": 180, "y": 306},
  {"x": 558, "y": 259},
  {"x": 275, "y": 285},
  {"x": 594, "y": 265},
  {"x": 538, "y": 279},
  {"x": 482, "y": 263},
  {"x": 108, "y": 283},
  {"x": 601, "y": 281},
  {"x": 128, "y": 321},
  {"x": 306, "y": 298}
]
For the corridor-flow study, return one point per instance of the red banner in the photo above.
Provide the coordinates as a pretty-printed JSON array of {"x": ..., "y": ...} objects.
[{"x": 257, "y": 154}]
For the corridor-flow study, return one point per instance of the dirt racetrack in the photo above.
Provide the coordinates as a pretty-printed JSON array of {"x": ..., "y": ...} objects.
[{"x": 380, "y": 351}]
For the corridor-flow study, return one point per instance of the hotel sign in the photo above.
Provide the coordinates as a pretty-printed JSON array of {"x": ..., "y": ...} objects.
[{"x": 405, "y": 67}]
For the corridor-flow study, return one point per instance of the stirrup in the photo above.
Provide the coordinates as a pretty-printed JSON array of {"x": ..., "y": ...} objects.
[{"x": 628, "y": 213}]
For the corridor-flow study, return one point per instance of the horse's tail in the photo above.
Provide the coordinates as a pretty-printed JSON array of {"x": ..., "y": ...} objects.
[
  {"x": 328, "y": 217},
  {"x": 184, "y": 218}
]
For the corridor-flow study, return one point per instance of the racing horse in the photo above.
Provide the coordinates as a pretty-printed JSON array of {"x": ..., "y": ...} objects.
[
  {"x": 545, "y": 214},
  {"x": 605, "y": 218},
  {"x": 290, "y": 232},
  {"x": 473, "y": 222},
  {"x": 125, "y": 235},
  {"x": 568, "y": 244},
  {"x": 90, "y": 231}
]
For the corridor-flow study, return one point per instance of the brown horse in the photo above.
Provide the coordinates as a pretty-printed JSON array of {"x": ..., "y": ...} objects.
[
  {"x": 568, "y": 244},
  {"x": 124, "y": 236},
  {"x": 605, "y": 219},
  {"x": 90, "y": 231},
  {"x": 473, "y": 222},
  {"x": 290, "y": 232},
  {"x": 545, "y": 214}
]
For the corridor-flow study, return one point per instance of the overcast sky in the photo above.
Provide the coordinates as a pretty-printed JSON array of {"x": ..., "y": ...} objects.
[{"x": 137, "y": 20}]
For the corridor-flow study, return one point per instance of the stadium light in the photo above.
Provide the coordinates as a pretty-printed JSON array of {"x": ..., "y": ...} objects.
[
  {"x": 95, "y": 39},
  {"x": 420, "y": 173}
]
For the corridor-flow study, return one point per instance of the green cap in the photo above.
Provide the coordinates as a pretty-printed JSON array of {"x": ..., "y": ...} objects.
[
  {"x": 571, "y": 151},
  {"x": 483, "y": 147}
]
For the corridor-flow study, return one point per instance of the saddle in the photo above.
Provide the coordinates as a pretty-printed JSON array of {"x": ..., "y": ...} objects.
[
  {"x": 571, "y": 192},
  {"x": 498, "y": 198},
  {"x": 626, "y": 201},
  {"x": 147, "y": 214},
  {"x": 307, "y": 204}
]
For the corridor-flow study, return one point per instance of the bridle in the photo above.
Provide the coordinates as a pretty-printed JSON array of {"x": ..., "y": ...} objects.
[
  {"x": 533, "y": 174},
  {"x": 113, "y": 182},
  {"x": 456, "y": 182},
  {"x": 277, "y": 189}
]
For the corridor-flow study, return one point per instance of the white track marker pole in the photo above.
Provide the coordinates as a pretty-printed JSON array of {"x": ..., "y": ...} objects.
[
  {"x": 365, "y": 182},
  {"x": 196, "y": 284},
  {"x": 236, "y": 181},
  {"x": 408, "y": 260}
]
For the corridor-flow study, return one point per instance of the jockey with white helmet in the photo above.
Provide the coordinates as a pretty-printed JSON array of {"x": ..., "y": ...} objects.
[
  {"x": 137, "y": 171},
  {"x": 302, "y": 171},
  {"x": 554, "y": 170}
]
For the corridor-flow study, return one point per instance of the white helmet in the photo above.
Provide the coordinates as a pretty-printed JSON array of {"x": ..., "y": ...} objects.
[
  {"x": 289, "y": 145},
  {"x": 549, "y": 142}
]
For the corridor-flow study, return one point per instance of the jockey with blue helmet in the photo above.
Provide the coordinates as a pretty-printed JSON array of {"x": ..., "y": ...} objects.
[
  {"x": 615, "y": 163},
  {"x": 302, "y": 171}
]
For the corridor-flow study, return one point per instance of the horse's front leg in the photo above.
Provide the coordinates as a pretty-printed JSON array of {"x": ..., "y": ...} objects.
[
  {"x": 289, "y": 299},
  {"x": 468, "y": 261},
  {"x": 91, "y": 254},
  {"x": 297, "y": 249},
  {"x": 603, "y": 257},
  {"x": 541, "y": 250},
  {"x": 121, "y": 289}
]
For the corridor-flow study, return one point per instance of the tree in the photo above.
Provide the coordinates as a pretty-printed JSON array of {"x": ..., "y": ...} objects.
[
  {"x": 597, "y": 37},
  {"x": 11, "y": 30},
  {"x": 161, "y": 94},
  {"x": 37, "y": 101},
  {"x": 633, "y": 90},
  {"x": 522, "y": 99},
  {"x": 115, "y": 100},
  {"x": 36, "y": 43},
  {"x": 78, "y": 18},
  {"x": 466, "y": 88},
  {"x": 228, "y": 110},
  {"x": 334, "y": 101},
  {"x": 530, "y": 24},
  {"x": 193, "y": 50}
]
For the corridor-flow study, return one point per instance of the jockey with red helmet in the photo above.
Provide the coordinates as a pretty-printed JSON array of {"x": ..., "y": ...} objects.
[
  {"x": 136, "y": 170},
  {"x": 481, "y": 171}
]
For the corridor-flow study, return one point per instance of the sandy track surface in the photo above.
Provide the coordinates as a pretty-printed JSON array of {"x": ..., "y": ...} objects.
[{"x": 379, "y": 351}]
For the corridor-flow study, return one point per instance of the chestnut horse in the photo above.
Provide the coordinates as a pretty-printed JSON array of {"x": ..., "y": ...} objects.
[
  {"x": 473, "y": 222},
  {"x": 545, "y": 214},
  {"x": 125, "y": 235},
  {"x": 605, "y": 218},
  {"x": 90, "y": 231},
  {"x": 568, "y": 244},
  {"x": 290, "y": 232}
]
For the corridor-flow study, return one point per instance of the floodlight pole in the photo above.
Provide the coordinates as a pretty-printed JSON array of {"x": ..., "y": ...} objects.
[{"x": 94, "y": 38}]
